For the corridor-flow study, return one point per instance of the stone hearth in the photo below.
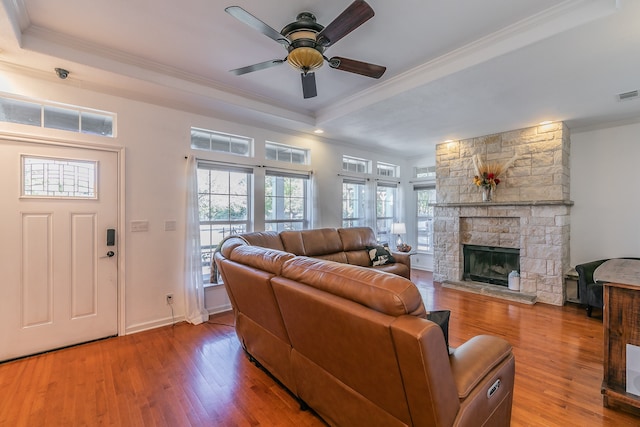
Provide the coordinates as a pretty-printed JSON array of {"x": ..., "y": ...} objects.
[{"x": 530, "y": 210}]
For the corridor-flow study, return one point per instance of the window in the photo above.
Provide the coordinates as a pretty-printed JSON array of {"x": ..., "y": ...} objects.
[
  {"x": 286, "y": 153},
  {"x": 353, "y": 164},
  {"x": 202, "y": 139},
  {"x": 96, "y": 123},
  {"x": 286, "y": 201},
  {"x": 386, "y": 198},
  {"x": 354, "y": 203},
  {"x": 61, "y": 118},
  {"x": 425, "y": 172},
  {"x": 425, "y": 195},
  {"x": 46, "y": 177},
  {"x": 56, "y": 116},
  {"x": 224, "y": 206},
  {"x": 23, "y": 112},
  {"x": 387, "y": 169}
]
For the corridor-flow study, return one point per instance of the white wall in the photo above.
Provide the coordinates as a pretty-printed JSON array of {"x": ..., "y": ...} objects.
[
  {"x": 156, "y": 141},
  {"x": 605, "y": 186}
]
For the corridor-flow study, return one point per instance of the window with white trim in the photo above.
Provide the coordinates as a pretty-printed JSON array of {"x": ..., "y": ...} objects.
[
  {"x": 286, "y": 201},
  {"x": 425, "y": 195},
  {"x": 387, "y": 169},
  {"x": 209, "y": 140},
  {"x": 424, "y": 171},
  {"x": 286, "y": 153},
  {"x": 386, "y": 200},
  {"x": 56, "y": 116},
  {"x": 357, "y": 165},
  {"x": 354, "y": 204},
  {"x": 224, "y": 206}
]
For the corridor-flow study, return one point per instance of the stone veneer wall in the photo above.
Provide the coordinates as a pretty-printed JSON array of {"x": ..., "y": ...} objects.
[
  {"x": 541, "y": 171},
  {"x": 529, "y": 211}
]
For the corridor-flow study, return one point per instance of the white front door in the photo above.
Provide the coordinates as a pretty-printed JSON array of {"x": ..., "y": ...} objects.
[{"x": 58, "y": 276}]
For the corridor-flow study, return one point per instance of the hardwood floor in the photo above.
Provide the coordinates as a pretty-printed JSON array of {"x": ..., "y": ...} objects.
[{"x": 199, "y": 376}]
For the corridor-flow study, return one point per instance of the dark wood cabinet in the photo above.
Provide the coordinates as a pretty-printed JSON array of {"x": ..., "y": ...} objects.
[{"x": 621, "y": 319}]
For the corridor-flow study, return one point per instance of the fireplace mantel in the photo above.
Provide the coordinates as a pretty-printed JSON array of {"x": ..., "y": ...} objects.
[{"x": 488, "y": 204}]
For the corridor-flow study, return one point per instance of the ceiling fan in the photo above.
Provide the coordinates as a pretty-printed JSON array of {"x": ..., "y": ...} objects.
[{"x": 306, "y": 41}]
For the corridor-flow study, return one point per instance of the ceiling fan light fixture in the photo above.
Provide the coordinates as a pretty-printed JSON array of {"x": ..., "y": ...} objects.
[
  {"x": 305, "y": 59},
  {"x": 302, "y": 34}
]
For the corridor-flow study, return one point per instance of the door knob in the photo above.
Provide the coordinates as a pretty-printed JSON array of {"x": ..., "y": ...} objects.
[{"x": 110, "y": 254}]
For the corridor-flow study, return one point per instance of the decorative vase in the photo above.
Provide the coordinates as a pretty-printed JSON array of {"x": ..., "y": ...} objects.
[{"x": 486, "y": 194}]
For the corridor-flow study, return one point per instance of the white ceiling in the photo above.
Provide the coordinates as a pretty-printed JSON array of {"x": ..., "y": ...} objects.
[{"x": 455, "y": 69}]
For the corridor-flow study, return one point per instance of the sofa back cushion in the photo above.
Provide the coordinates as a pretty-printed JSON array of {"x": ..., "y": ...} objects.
[
  {"x": 355, "y": 241},
  {"x": 264, "y": 259},
  {"x": 383, "y": 292},
  {"x": 266, "y": 239},
  {"x": 357, "y": 238},
  {"x": 312, "y": 243}
]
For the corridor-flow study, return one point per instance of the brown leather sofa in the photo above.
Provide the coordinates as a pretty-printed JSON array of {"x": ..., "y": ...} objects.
[
  {"x": 344, "y": 245},
  {"x": 354, "y": 344}
]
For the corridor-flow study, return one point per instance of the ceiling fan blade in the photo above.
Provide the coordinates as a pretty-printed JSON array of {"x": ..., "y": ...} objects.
[
  {"x": 358, "y": 67},
  {"x": 243, "y": 16},
  {"x": 356, "y": 14},
  {"x": 256, "y": 67},
  {"x": 309, "y": 85}
]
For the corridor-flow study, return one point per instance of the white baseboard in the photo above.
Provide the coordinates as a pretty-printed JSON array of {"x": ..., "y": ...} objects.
[
  {"x": 140, "y": 327},
  {"x": 219, "y": 309}
]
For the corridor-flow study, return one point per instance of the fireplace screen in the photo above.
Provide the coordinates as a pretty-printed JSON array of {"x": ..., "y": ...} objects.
[{"x": 490, "y": 264}]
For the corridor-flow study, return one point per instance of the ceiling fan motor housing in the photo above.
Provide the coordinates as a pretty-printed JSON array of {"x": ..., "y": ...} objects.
[{"x": 305, "y": 54}]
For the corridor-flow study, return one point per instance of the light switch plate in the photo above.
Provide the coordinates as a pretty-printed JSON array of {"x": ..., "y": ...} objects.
[{"x": 142, "y": 225}]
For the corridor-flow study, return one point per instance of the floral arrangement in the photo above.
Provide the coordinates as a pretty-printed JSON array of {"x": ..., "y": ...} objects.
[{"x": 487, "y": 174}]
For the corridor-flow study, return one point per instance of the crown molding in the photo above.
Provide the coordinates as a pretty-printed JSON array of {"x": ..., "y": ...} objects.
[
  {"x": 562, "y": 17},
  {"x": 166, "y": 80},
  {"x": 18, "y": 18}
]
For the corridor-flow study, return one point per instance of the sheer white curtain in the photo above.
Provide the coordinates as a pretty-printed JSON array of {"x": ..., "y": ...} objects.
[{"x": 193, "y": 285}]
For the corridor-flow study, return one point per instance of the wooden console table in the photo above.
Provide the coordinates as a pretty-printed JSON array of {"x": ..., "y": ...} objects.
[{"x": 621, "y": 321}]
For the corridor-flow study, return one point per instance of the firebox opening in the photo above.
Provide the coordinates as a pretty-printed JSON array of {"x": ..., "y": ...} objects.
[{"x": 490, "y": 264}]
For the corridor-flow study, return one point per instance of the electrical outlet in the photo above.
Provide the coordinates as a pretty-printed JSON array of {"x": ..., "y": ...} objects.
[{"x": 169, "y": 298}]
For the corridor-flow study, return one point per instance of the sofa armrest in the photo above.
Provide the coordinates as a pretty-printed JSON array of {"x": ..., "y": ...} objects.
[
  {"x": 474, "y": 359},
  {"x": 402, "y": 258},
  {"x": 426, "y": 371}
]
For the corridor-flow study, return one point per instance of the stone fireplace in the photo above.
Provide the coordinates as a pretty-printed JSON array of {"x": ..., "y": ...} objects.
[{"x": 530, "y": 210}]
